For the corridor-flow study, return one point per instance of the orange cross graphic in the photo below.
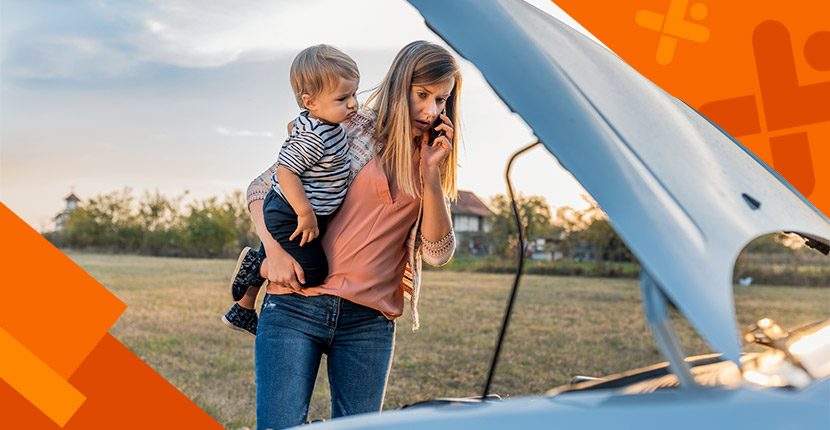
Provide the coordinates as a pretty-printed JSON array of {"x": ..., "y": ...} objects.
[
  {"x": 782, "y": 105},
  {"x": 763, "y": 73},
  {"x": 673, "y": 27}
]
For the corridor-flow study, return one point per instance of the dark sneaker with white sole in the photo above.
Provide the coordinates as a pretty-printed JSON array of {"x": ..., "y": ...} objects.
[
  {"x": 241, "y": 319},
  {"x": 246, "y": 274}
]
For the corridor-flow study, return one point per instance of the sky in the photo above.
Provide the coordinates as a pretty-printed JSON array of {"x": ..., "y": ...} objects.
[{"x": 193, "y": 96}]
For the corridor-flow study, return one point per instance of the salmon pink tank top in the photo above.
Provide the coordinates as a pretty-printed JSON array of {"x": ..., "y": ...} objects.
[{"x": 365, "y": 243}]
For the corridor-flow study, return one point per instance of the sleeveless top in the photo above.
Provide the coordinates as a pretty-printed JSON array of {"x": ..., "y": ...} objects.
[{"x": 365, "y": 244}]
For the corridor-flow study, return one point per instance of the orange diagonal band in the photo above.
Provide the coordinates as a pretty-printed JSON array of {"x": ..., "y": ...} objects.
[{"x": 36, "y": 381}]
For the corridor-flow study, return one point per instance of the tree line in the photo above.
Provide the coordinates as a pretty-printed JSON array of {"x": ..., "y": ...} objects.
[
  {"x": 155, "y": 224},
  {"x": 568, "y": 231},
  {"x": 158, "y": 225}
]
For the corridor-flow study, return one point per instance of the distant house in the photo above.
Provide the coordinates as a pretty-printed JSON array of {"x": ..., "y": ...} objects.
[
  {"x": 470, "y": 214},
  {"x": 71, "y": 203},
  {"x": 471, "y": 221}
]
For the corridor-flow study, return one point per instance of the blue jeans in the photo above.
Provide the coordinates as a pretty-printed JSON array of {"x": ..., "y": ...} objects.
[{"x": 293, "y": 333}]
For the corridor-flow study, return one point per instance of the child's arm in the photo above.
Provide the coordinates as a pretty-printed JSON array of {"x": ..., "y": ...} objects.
[{"x": 292, "y": 189}]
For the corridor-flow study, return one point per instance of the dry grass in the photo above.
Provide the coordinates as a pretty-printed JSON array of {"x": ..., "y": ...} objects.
[{"x": 562, "y": 326}]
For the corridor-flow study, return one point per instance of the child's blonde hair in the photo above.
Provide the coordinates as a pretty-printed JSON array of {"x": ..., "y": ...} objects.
[
  {"x": 318, "y": 68},
  {"x": 418, "y": 63}
]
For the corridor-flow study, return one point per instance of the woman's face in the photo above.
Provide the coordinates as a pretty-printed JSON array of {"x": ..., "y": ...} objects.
[{"x": 426, "y": 102}]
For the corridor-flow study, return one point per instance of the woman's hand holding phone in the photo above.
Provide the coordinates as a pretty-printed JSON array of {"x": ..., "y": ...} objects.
[
  {"x": 439, "y": 144},
  {"x": 433, "y": 133}
]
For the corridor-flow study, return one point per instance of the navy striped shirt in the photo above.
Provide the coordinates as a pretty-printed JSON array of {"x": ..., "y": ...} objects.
[{"x": 317, "y": 151}]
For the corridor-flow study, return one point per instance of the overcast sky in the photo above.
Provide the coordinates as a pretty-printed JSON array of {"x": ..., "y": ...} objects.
[{"x": 186, "y": 95}]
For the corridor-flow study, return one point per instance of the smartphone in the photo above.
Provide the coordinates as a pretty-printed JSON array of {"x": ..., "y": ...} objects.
[{"x": 434, "y": 134}]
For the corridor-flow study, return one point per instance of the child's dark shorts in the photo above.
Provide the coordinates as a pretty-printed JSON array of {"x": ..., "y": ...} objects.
[{"x": 281, "y": 221}]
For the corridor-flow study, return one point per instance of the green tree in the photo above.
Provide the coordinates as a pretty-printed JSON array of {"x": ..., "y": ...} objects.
[
  {"x": 535, "y": 217},
  {"x": 213, "y": 228},
  {"x": 158, "y": 216},
  {"x": 106, "y": 221},
  {"x": 157, "y": 225},
  {"x": 591, "y": 226}
]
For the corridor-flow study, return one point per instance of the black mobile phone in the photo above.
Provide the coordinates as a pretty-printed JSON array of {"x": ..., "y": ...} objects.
[{"x": 434, "y": 134}]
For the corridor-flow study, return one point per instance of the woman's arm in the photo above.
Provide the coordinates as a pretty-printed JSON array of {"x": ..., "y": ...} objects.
[
  {"x": 436, "y": 224},
  {"x": 437, "y": 236},
  {"x": 282, "y": 268},
  {"x": 259, "y": 187}
]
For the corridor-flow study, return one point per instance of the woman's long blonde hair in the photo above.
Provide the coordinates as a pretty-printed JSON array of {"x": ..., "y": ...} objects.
[{"x": 418, "y": 63}]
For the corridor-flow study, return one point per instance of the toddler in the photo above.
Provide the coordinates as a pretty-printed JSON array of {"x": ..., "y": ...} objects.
[{"x": 310, "y": 176}]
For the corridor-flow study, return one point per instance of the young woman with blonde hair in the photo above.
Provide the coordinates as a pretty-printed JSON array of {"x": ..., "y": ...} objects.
[{"x": 403, "y": 152}]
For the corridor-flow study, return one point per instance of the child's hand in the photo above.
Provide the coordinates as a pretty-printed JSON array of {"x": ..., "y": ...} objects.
[{"x": 307, "y": 226}]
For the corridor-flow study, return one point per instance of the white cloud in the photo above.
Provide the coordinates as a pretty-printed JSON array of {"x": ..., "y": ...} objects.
[
  {"x": 199, "y": 34},
  {"x": 243, "y": 133},
  {"x": 196, "y": 34},
  {"x": 191, "y": 33},
  {"x": 57, "y": 57}
]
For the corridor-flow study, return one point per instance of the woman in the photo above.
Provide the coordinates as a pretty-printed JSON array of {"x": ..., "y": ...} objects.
[{"x": 394, "y": 214}]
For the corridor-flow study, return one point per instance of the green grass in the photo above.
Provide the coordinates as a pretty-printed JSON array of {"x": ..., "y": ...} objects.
[{"x": 561, "y": 327}]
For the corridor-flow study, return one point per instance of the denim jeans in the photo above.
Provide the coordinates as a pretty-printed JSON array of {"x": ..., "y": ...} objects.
[{"x": 293, "y": 333}]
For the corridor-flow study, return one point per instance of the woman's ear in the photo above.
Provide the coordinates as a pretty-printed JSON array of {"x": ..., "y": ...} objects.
[{"x": 308, "y": 102}]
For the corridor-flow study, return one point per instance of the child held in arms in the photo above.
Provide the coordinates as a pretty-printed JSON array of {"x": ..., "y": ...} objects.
[{"x": 309, "y": 179}]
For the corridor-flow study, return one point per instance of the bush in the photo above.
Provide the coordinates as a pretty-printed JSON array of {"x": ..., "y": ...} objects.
[{"x": 156, "y": 225}]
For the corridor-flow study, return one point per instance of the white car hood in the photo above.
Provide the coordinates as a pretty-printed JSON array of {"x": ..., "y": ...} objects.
[{"x": 680, "y": 192}]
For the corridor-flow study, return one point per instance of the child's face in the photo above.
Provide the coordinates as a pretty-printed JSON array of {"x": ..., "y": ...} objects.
[{"x": 336, "y": 104}]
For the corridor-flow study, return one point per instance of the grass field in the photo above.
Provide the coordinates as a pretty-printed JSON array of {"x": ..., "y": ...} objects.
[{"x": 561, "y": 327}]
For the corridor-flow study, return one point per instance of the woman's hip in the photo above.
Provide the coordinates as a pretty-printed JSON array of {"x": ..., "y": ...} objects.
[{"x": 325, "y": 317}]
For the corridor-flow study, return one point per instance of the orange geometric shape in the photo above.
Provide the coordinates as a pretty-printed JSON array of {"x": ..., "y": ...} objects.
[
  {"x": 37, "y": 382},
  {"x": 673, "y": 26},
  {"x": 665, "y": 49},
  {"x": 786, "y": 103},
  {"x": 791, "y": 157},
  {"x": 650, "y": 20},
  {"x": 699, "y": 11},
  {"x": 122, "y": 393},
  {"x": 677, "y": 26},
  {"x": 71, "y": 312},
  {"x": 817, "y": 50},
  {"x": 724, "y": 69},
  {"x": 739, "y": 115}
]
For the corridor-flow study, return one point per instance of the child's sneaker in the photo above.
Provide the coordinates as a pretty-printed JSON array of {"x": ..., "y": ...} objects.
[
  {"x": 239, "y": 318},
  {"x": 246, "y": 273}
]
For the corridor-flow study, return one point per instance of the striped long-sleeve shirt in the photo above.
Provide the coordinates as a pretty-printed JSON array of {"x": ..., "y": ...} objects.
[{"x": 317, "y": 151}]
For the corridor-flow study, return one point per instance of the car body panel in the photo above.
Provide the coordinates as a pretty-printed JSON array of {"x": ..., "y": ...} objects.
[
  {"x": 714, "y": 408},
  {"x": 676, "y": 188}
]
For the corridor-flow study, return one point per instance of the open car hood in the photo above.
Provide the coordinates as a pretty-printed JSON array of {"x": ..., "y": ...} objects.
[{"x": 683, "y": 195}]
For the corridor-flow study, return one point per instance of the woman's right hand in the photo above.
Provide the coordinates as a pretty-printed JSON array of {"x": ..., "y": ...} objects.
[{"x": 282, "y": 269}]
